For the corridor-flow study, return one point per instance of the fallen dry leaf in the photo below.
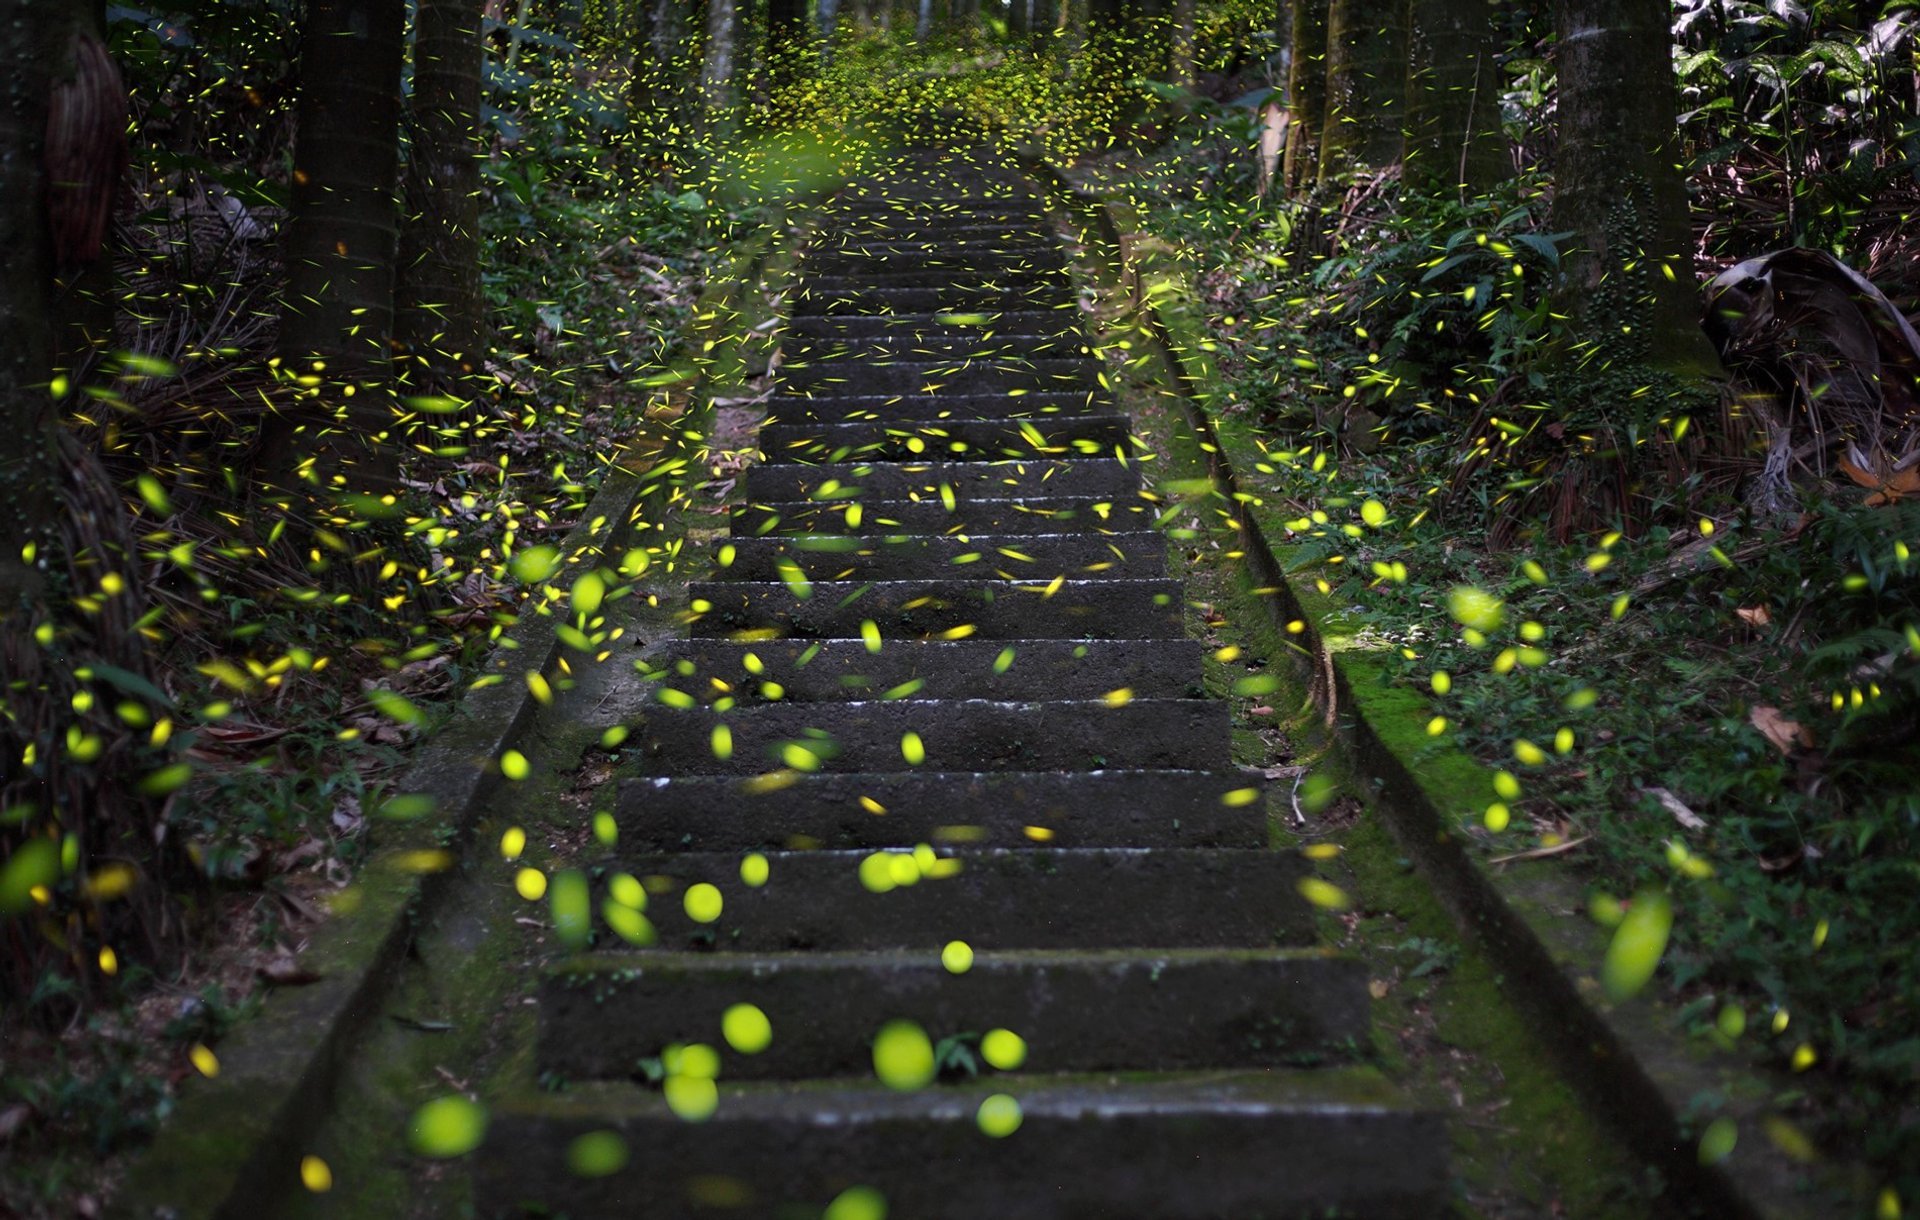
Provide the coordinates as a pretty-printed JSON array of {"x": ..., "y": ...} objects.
[
  {"x": 1755, "y": 616},
  {"x": 1785, "y": 734},
  {"x": 1677, "y": 807}
]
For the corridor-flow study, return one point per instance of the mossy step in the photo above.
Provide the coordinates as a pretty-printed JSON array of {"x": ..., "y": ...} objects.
[
  {"x": 985, "y": 609},
  {"x": 1112, "y": 808},
  {"x": 953, "y": 735},
  {"x": 984, "y": 439},
  {"x": 1029, "y": 897},
  {"x": 1081, "y": 556},
  {"x": 1079, "y": 1011},
  {"x": 1036, "y": 515},
  {"x": 967, "y": 482},
  {"x": 915, "y": 671},
  {"x": 1284, "y": 1144}
]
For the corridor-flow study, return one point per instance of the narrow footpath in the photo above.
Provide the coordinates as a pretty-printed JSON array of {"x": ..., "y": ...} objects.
[{"x": 940, "y": 887}]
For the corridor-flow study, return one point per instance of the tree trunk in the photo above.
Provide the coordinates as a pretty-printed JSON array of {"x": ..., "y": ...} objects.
[
  {"x": 660, "y": 94},
  {"x": 86, "y": 158},
  {"x": 1366, "y": 78},
  {"x": 1453, "y": 129},
  {"x": 716, "y": 69},
  {"x": 440, "y": 309},
  {"x": 826, "y": 17},
  {"x": 29, "y": 452},
  {"x": 342, "y": 230},
  {"x": 1180, "y": 58},
  {"x": 1306, "y": 92},
  {"x": 1626, "y": 284}
]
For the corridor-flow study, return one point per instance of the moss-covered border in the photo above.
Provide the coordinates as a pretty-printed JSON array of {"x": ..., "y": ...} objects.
[
  {"x": 233, "y": 1146},
  {"x": 1632, "y": 1063}
]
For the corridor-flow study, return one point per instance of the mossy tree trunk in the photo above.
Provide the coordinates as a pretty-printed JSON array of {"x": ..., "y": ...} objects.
[
  {"x": 1626, "y": 284},
  {"x": 1366, "y": 82},
  {"x": 441, "y": 313},
  {"x": 1453, "y": 133},
  {"x": 1306, "y": 92}
]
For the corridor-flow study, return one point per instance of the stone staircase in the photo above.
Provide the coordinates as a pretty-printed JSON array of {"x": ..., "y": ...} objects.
[{"x": 940, "y": 690}]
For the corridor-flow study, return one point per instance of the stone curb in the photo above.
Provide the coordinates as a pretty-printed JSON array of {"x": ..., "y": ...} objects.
[
  {"x": 1632, "y": 1064},
  {"x": 232, "y": 1149}
]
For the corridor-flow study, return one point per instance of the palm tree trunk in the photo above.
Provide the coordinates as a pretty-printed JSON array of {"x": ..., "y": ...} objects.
[
  {"x": 1366, "y": 81},
  {"x": 1306, "y": 92},
  {"x": 1627, "y": 284},
  {"x": 343, "y": 228},
  {"x": 441, "y": 313},
  {"x": 29, "y": 452}
]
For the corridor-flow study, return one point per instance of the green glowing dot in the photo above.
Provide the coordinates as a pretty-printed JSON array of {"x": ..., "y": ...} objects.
[
  {"x": 703, "y": 903},
  {"x": 447, "y": 1127},
  {"x": 626, "y": 890},
  {"x": 1716, "y": 1143},
  {"x": 692, "y": 1098},
  {"x": 598, "y": 1154},
  {"x": 957, "y": 957},
  {"x": 1003, "y": 1049},
  {"x": 903, "y": 1056},
  {"x": 999, "y": 1115},
  {"x": 746, "y": 1029},
  {"x": 857, "y": 1203},
  {"x": 754, "y": 870}
]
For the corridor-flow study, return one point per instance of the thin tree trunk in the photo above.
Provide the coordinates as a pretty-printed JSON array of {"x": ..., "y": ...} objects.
[
  {"x": 826, "y": 16},
  {"x": 1626, "y": 284},
  {"x": 1180, "y": 60},
  {"x": 716, "y": 69},
  {"x": 1366, "y": 78},
  {"x": 30, "y": 465},
  {"x": 1453, "y": 129},
  {"x": 1306, "y": 92},
  {"x": 440, "y": 310}
]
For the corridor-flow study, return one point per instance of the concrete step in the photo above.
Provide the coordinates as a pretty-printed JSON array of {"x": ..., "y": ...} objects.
[
  {"x": 928, "y": 515},
  {"x": 854, "y": 402},
  {"x": 952, "y": 258},
  {"x": 821, "y": 282},
  {"x": 1040, "y": 319},
  {"x": 949, "y": 298},
  {"x": 999, "y": 898},
  {"x": 984, "y": 439},
  {"x": 864, "y": 374},
  {"x": 955, "y": 609},
  {"x": 964, "y": 735},
  {"x": 999, "y": 808},
  {"x": 1092, "y": 1011},
  {"x": 915, "y": 557},
  {"x": 921, "y": 670},
  {"x": 998, "y": 248},
  {"x": 968, "y": 482},
  {"x": 1270, "y": 1145},
  {"x": 997, "y": 345}
]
